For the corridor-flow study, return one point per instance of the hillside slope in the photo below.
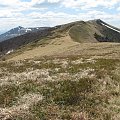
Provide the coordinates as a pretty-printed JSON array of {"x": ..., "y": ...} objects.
[
  {"x": 93, "y": 31},
  {"x": 74, "y": 87},
  {"x": 16, "y": 42}
]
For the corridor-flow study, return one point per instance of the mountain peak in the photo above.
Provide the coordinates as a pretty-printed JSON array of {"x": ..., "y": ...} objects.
[
  {"x": 96, "y": 20},
  {"x": 20, "y": 27},
  {"x": 18, "y": 31}
]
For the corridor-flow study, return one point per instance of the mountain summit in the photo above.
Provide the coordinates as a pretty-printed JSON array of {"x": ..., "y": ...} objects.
[{"x": 94, "y": 31}]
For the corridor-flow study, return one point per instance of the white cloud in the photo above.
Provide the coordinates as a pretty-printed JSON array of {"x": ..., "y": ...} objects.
[
  {"x": 54, "y": 1},
  {"x": 50, "y": 18},
  {"x": 118, "y": 9},
  {"x": 54, "y": 18},
  {"x": 10, "y": 14},
  {"x": 89, "y": 3},
  {"x": 17, "y": 12},
  {"x": 33, "y": 2},
  {"x": 66, "y": 3}
]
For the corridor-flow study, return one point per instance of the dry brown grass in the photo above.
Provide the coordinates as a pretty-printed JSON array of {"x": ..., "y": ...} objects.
[
  {"x": 65, "y": 47},
  {"x": 56, "y": 46}
]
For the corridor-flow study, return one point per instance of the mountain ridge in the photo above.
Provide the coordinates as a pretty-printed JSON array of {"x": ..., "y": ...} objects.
[{"x": 92, "y": 31}]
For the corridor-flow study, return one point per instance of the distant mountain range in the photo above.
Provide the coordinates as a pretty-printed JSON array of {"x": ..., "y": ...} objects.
[
  {"x": 92, "y": 31},
  {"x": 18, "y": 31}
]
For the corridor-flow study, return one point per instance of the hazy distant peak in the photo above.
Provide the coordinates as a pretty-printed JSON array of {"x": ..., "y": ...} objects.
[{"x": 17, "y": 31}]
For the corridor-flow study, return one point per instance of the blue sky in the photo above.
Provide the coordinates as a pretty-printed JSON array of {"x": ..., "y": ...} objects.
[{"x": 34, "y": 13}]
